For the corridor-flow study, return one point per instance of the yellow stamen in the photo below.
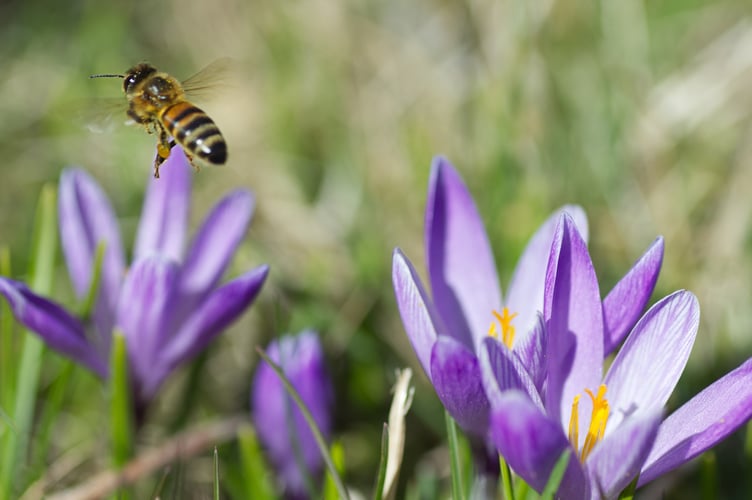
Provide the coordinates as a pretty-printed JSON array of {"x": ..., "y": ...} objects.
[
  {"x": 507, "y": 329},
  {"x": 598, "y": 419},
  {"x": 574, "y": 424}
]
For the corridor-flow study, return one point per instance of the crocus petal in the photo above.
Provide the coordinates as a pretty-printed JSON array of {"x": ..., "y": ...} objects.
[
  {"x": 456, "y": 376},
  {"x": 574, "y": 320},
  {"x": 647, "y": 368},
  {"x": 531, "y": 443},
  {"x": 220, "y": 309},
  {"x": 143, "y": 314},
  {"x": 624, "y": 303},
  {"x": 461, "y": 267},
  {"x": 531, "y": 351},
  {"x": 86, "y": 219},
  {"x": 525, "y": 294},
  {"x": 165, "y": 214},
  {"x": 502, "y": 371},
  {"x": 59, "y": 330},
  {"x": 702, "y": 422},
  {"x": 616, "y": 461},
  {"x": 418, "y": 316},
  {"x": 214, "y": 245}
]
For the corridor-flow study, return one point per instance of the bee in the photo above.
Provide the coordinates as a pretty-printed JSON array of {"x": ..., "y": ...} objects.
[{"x": 158, "y": 102}]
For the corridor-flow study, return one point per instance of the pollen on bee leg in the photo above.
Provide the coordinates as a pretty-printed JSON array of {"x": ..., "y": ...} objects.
[
  {"x": 507, "y": 329},
  {"x": 163, "y": 152}
]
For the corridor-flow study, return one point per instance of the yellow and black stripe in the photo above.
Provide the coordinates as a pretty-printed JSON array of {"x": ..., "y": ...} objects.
[{"x": 195, "y": 131}]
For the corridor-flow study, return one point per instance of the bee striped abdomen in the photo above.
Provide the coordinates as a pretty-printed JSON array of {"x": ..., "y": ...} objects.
[{"x": 194, "y": 130}]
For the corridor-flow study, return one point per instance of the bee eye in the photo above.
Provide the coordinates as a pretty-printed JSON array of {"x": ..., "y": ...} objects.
[{"x": 128, "y": 82}]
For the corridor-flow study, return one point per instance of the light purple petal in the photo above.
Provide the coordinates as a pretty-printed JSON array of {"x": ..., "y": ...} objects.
[
  {"x": 144, "y": 315},
  {"x": 531, "y": 351},
  {"x": 702, "y": 422},
  {"x": 86, "y": 219},
  {"x": 418, "y": 316},
  {"x": 616, "y": 461},
  {"x": 456, "y": 377},
  {"x": 165, "y": 214},
  {"x": 220, "y": 309},
  {"x": 214, "y": 245},
  {"x": 626, "y": 301},
  {"x": 525, "y": 294},
  {"x": 280, "y": 425},
  {"x": 502, "y": 371},
  {"x": 59, "y": 330},
  {"x": 648, "y": 366},
  {"x": 461, "y": 267},
  {"x": 532, "y": 443},
  {"x": 574, "y": 320}
]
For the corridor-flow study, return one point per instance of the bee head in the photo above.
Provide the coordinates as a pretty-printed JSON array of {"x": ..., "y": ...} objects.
[{"x": 137, "y": 74}]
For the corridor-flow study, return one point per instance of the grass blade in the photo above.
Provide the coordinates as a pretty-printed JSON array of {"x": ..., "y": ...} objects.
[
  {"x": 506, "y": 479},
  {"x": 87, "y": 305},
  {"x": 216, "y": 474},
  {"x": 458, "y": 487},
  {"x": 377, "y": 494},
  {"x": 311, "y": 423},
  {"x": 44, "y": 248},
  {"x": 8, "y": 356},
  {"x": 121, "y": 410}
]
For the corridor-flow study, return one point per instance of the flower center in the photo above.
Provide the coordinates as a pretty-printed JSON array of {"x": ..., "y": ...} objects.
[
  {"x": 598, "y": 420},
  {"x": 507, "y": 329}
]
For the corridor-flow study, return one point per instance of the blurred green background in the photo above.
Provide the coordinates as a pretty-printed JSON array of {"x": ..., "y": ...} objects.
[{"x": 641, "y": 112}]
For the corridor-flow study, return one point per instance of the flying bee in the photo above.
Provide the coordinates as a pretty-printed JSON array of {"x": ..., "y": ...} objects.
[{"x": 158, "y": 102}]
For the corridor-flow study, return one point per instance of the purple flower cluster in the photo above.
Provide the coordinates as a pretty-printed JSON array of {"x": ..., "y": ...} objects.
[
  {"x": 526, "y": 374},
  {"x": 169, "y": 303}
]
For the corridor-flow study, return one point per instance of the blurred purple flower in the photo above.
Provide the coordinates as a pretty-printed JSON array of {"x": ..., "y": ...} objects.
[
  {"x": 169, "y": 304},
  {"x": 448, "y": 330},
  {"x": 624, "y": 434},
  {"x": 279, "y": 423}
]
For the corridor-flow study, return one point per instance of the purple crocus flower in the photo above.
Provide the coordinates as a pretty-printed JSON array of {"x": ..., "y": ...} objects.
[
  {"x": 168, "y": 304},
  {"x": 612, "y": 425},
  {"x": 280, "y": 425},
  {"x": 467, "y": 307}
]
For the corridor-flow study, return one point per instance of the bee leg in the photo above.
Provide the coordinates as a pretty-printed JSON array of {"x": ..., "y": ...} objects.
[
  {"x": 193, "y": 164},
  {"x": 163, "y": 152},
  {"x": 187, "y": 155}
]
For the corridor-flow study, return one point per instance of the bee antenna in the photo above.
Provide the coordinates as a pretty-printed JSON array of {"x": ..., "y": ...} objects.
[{"x": 107, "y": 75}]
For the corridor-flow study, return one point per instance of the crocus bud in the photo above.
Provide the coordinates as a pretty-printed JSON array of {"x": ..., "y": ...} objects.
[{"x": 280, "y": 425}]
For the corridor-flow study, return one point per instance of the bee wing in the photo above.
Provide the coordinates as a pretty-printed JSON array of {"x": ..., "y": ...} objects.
[
  {"x": 101, "y": 114},
  {"x": 216, "y": 74}
]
